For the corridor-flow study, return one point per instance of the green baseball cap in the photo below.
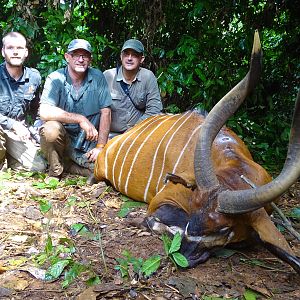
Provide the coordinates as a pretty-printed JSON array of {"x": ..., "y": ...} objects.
[
  {"x": 136, "y": 45},
  {"x": 79, "y": 44}
]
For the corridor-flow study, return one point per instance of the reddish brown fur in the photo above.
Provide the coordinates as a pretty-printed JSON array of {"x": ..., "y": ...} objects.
[{"x": 230, "y": 156}]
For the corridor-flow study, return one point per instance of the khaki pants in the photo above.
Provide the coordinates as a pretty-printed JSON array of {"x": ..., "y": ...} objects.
[
  {"x": 56, "y": 146},
  {"x": 27, "y": 154}
]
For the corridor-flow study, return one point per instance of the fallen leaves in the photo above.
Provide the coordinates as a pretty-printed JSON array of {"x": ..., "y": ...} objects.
[{"x": 88, "y": 216}]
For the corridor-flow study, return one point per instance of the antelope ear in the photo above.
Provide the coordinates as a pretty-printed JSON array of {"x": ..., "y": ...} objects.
[{"x": 177, "y": 179}]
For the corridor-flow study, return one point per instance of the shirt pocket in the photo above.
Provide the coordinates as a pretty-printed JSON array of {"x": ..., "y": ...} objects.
[
  {"x": 141, "y": 100},
  {"x": 116, "y": 101},
  {"x": 29, "y": 91},
  {"x": 5, "y": 103}
]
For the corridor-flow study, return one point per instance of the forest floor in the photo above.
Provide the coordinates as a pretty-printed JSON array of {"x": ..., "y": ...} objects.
[{"x": 74, "y": 232}]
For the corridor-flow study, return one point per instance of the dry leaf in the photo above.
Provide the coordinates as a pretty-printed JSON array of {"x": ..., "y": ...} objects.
[
  {"x": 13, "y": 282},
  {"x": 36, "y": 272},
  {"x": 87, "y": 294}
]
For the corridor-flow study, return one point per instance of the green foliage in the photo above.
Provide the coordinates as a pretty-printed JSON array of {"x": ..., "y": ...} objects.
[
  {"x": 171, "y": 248},
  {"x": 5, "y": 175},
  {"x": 45, "y": 205},
  {"x": 71, "y": 201},
  {"x": 60, "y": 261},
  {"x": 52, "y": 184},
  {"x": 151, "y": 265},
  {"x": 198, "y": 49},
  {"x": 295, "y": 213},
  {"x": 250, "y": 295},
  {"x": 139, "y": 266},
  {"x": 82, "y": 230},
  {"x": 259, "y": 135},
  {"x": 172, "y": 109},
  {"x": 128, "y": 206},
  {"x": 78, "y": 181}
]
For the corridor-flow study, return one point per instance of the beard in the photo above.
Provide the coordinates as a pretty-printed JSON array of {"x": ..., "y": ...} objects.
[{"x": 15, "y": 61}]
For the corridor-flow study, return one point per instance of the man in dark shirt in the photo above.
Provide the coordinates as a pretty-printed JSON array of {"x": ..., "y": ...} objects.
[{"x": 19, "y": 97}]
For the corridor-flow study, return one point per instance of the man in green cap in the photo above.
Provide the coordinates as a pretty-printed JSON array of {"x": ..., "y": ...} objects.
[
  {"x": 134, "y": 90},
  {"x": 75, "y": 106}
]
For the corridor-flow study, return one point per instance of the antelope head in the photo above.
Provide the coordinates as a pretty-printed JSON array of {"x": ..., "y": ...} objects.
[{"x": 222, "y": 214}]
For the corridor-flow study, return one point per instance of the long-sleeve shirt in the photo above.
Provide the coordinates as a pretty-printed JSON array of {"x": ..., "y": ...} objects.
[{"x": 18, "y": 98}]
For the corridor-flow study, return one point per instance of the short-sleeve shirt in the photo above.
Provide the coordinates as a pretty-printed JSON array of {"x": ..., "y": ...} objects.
[
  {"x": 18, "y": 98},
  {"x": 92, "y": 96},
  {"x": 145, "y": 98}
]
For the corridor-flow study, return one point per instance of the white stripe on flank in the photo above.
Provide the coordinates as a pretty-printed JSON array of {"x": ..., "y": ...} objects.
[
  {"x": 131, "y": 145},
  {"x": 129, "y": 134},
  {"x": 182, "y": 152},
  {"x": 116, "y": 139},
  {"x": 166, "y": 149},
  {"x": 155, "y": 154},
  {"x": 185, "y": 146},
  {"x": 139, "y": 150}
]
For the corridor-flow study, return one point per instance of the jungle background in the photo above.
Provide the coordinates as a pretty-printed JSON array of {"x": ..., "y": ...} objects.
[{"x": 198, "y": 50}]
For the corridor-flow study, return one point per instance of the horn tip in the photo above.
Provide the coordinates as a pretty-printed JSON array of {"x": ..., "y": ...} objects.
[{"x": 256, "y": 42}]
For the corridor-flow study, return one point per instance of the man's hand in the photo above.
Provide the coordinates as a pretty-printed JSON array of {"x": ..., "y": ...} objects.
[
  {"x": 90, "y": 130},
  {"x": 53, "y": 113},
  {"x": 93, "y": 154},
  {"x": 21, "y": 131}
]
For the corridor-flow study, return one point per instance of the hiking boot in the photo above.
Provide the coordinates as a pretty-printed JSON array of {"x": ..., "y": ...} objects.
[
  {"x": 91, "y": 180},
  {"x": 75, "y": 169}
]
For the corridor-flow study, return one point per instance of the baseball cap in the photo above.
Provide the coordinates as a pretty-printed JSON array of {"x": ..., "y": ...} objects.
[
  {"x": 136, "y": 45},
  {"x": 79, "y": 44}
]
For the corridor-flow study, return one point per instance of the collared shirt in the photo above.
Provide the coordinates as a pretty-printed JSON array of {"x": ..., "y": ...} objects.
[
  {"x": 144, "y": 93},
  {"x": 92, "y": 96},
  {"x": 19, "y": 97}
]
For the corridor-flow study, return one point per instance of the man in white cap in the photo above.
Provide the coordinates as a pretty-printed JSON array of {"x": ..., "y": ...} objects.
[
  {"x": 134, "y": 90},
  {"x": 75, "y": 106}
]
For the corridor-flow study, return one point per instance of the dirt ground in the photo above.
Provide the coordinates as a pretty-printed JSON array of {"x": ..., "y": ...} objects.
[{"x": 25, "y": 226}]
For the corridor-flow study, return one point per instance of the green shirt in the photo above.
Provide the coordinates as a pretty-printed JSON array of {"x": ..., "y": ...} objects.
[
  {"x": 92, "y": 96},
  {"x": 144, "y": 93}
]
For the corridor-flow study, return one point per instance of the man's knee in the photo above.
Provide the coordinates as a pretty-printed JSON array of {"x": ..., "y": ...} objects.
[{"x": 51, "y": 131}]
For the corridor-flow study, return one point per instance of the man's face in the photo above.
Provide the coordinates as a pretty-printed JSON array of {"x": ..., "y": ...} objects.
[
  {"x": 78, "y": 60},
  {"x": 131, "y": 59},
  {"x": 14, "y": 51}
]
